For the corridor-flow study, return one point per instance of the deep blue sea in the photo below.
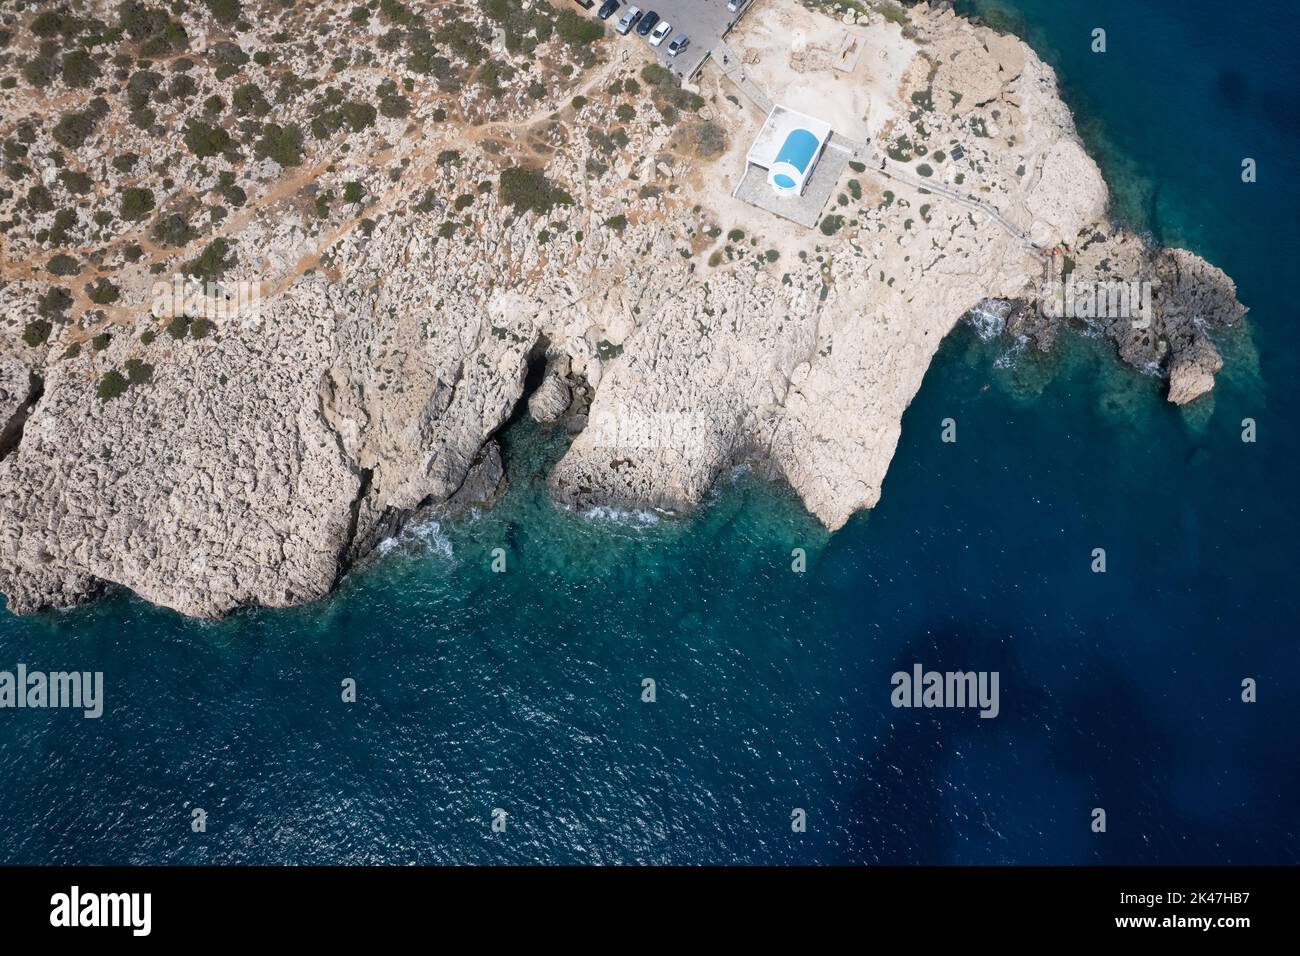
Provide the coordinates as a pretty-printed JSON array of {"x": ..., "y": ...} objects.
[{"x": 521, "y": 691}]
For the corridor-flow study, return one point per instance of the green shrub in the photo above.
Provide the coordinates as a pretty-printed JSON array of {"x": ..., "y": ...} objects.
[
  {"x": 39, "y": 199},
  {"x": 173, "y": 230},
  {"x": 37, "y": 332},
  {"x": 137, "y": 203},
  {"x": 111, "y": 385},
  {"x": 353, "y": 191},
  {"x": 138, "y": 372},
  {"x": 523, "y": 189},
  {"x": 205, "y": 141},
  {"x": 215, "y": 259},
  {"x": 392, "y": 103},
  {"x": 55, "y": 301},
  {"x": 576, "y": 29},
  {"x": 247, "y": 99},
  {"x": 63, "y": 265},
  {"x": 280, "y": 143},
  {"x": 64, "y": 220},
  {"x": 103, "y": 292},
  {"x": 618, "y": 223},
  {"x": 74, "y": 128},
  {"x": 79, "y": 69},
  {"x": 831, "y": 225}
]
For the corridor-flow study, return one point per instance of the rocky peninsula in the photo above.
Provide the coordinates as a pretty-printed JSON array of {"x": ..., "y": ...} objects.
[{"x": 273, "y": 275}]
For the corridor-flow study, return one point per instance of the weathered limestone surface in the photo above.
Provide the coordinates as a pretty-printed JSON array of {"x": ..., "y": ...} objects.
[{"x": 255, "y": 465}]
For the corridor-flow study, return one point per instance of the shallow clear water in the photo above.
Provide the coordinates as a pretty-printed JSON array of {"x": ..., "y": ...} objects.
[{"x": 521, "y": 690}]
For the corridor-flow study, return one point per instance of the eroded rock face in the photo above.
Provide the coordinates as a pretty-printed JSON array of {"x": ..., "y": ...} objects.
[
  {"x": 256, "y": 463},
  {"x": 550, "y": 401},
  {"x": 19, "y": 387}
]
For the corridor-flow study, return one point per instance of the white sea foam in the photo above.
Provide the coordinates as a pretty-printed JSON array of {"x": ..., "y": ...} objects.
[
  {"x": 622, "y": 516},
  {"x": 426, "y": 536},
  {"x": 988, "y": 318}
]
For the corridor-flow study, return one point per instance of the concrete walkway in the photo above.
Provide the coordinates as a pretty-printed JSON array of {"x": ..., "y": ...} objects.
[
  {"x": 894, "y": 171},
  {"x": 734, "y": 70}
]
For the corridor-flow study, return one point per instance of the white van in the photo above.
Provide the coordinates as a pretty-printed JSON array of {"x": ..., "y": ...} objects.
[{"x": 734, "y": 5}]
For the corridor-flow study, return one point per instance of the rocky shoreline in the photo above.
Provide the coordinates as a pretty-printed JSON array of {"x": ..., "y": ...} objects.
[{"x": 497, "y": 234}]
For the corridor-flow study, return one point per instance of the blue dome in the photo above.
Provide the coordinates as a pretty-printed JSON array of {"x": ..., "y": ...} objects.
[{"x": 798, "y": 149}]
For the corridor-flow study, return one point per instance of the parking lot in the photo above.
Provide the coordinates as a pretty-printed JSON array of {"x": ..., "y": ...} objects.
[{"x": 704, "y": 21}]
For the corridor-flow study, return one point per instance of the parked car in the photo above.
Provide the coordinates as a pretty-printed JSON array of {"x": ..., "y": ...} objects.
[
  {"x": 607, "y": 9},
  {"x": 647, "y": 23},
  {"x": 734, "y": 5},
  {"x": 660, "y": 33},
  {"x": 629, "y": 19},
  {"x": 678, "y": 44}
]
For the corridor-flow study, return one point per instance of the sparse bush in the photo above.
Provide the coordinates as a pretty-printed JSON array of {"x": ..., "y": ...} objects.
[
  {"x": 205, "y": 141},
  {"x": 136, "y": 203},
  {"x": 111, "y": 385},
  {"x": 102, "y": 291},
  {"x": 215, "y": 259},
  {"x": 37, "y": 332},
  {"x": 247, "y": 99},
  {"x": 280, "y": 143},
  {"x": 524, "y": 189},
  {"x": 64, "y": 220},
  {"x": 138, "y": 372},
  {"x": 79, "y": 69},
  {"x": 39, "y": 199},
  {"x": 63, "y": 265},
  {"x": 831, "y": 225},
  {"x": 172, "y": 230},
  {"x": 73, "y": 129},
  {"x": 56, "y": 301},
  {"x": 76, "y": 182}
]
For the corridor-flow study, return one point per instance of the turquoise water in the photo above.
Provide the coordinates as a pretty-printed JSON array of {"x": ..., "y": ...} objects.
[{"x": 522, "y": 690}]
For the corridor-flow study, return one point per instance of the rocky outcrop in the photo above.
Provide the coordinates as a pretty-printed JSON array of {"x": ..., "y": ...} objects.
[
  {"x": 255, "y": 459},
  {"x": 550, "y": 401}
]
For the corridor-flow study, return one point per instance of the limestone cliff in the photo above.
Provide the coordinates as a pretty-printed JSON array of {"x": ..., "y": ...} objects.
[{"x": 437, "y": 204}]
